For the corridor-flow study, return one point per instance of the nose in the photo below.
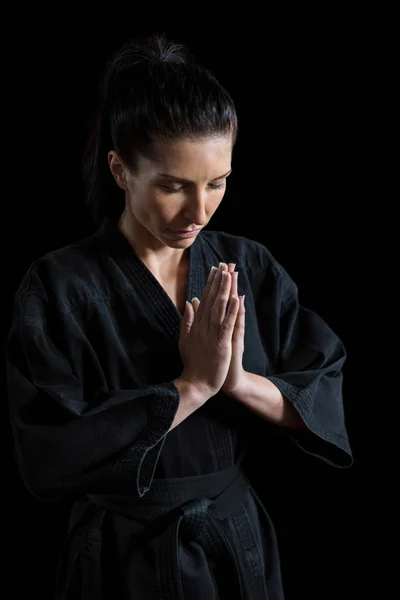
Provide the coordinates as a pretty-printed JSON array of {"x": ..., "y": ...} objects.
[{"x": 195, "y": 208}]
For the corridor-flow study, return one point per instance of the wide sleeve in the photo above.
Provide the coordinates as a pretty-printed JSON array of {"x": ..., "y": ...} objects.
[
  {"x": 308, "y": 364},
  {"x": 70, "y": 438}
]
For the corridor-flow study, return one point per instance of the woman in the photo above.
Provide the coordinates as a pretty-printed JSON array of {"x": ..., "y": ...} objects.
[{"x": 145, "y": 408}]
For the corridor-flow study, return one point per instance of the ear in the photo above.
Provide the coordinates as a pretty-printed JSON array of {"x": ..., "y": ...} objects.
[{"x": 117, "y": 169}]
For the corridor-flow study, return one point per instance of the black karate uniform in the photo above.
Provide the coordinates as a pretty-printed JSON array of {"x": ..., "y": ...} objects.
[{"x": 91, "y": 354}]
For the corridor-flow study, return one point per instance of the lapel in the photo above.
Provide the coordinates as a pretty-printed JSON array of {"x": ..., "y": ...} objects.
[{"x": 151, "y": 291}]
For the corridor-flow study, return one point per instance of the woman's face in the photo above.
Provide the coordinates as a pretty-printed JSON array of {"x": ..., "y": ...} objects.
[{"x": 180, "y": 190}]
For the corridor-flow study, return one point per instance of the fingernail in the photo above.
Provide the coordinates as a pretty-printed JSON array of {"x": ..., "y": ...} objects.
[
  {"x": 234, "y": 265},
  {"x": 195, "y": 298}
]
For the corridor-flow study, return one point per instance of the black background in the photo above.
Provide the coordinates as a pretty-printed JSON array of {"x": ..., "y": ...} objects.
[{"x": 305, "y": 88}]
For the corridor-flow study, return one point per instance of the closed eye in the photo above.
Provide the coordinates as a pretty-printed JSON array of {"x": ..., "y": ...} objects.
[{"x": 213, "y": 186}]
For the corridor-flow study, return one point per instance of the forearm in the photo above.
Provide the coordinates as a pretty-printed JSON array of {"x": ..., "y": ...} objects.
[
  {"x": 190, "y": 400},
  {"x": 263, "y": 397}
]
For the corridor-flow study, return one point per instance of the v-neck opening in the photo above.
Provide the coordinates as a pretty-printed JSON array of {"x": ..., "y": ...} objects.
[
  {"x": 160, "y": 287},
  {"x": 150, "y": 288}
]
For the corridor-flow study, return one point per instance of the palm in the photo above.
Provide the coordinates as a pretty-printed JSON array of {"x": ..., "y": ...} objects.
[{"x": 235, "y": 372}]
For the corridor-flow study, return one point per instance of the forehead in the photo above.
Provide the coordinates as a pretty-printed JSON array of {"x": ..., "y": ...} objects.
[{"x": 194, "y": 155}]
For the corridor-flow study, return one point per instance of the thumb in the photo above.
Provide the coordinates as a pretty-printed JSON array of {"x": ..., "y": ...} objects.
[
  {"x": 187, "y": 319},
  {"x": 195, "y": 304}
]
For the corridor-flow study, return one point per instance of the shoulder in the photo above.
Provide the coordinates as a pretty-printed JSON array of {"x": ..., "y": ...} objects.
[
  {"x": 62, "y": 278},
  {"x": 248, "y": 254}
]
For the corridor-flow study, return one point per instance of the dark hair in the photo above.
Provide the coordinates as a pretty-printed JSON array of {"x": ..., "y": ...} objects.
[{"x": 152, "y": 90}]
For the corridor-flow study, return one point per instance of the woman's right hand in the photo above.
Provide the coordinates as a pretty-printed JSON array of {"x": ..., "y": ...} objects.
[{"x": 206, "y": 350}]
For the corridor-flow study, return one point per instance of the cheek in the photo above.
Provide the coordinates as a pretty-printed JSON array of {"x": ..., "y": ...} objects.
[
  {"x": 163, "y": 208},
  {"x": 150, "y": 205}
]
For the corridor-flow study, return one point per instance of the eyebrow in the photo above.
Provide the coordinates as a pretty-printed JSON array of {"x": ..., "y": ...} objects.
[{"x": 188, "y": 180}]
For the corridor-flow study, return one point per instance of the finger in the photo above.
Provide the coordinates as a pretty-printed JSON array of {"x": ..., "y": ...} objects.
[
  {"x": 213, "y": 294},
  {"x": 206, "y": 293},
  {"x": 187, "y": 319},
  {"x": 238, "y": 333},
  {"x": 222, "y": 299},
  {"x": 228, "y": 325},
  {"x": 234, "y": 288},
  {"x": 210, "y": 280},
  {"x": 185, "y": 315},
  {"x": 195, "y": 305},
  {"x": 231, "y": 269}
]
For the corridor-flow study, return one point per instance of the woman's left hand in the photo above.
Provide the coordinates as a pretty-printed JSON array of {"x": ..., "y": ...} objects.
[{"x": 236, "y": 373}]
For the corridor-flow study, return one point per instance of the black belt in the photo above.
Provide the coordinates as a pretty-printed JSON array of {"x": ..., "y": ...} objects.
[{"x": 195, "y": 505}]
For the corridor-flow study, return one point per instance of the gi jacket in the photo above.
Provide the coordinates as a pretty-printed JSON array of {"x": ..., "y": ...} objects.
[{"x": 91, "y": 354}]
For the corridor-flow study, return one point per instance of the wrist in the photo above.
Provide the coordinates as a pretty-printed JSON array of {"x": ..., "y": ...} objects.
[
  {"x": 238, "y": 391},
  {"x": 194, "y": 393}
]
